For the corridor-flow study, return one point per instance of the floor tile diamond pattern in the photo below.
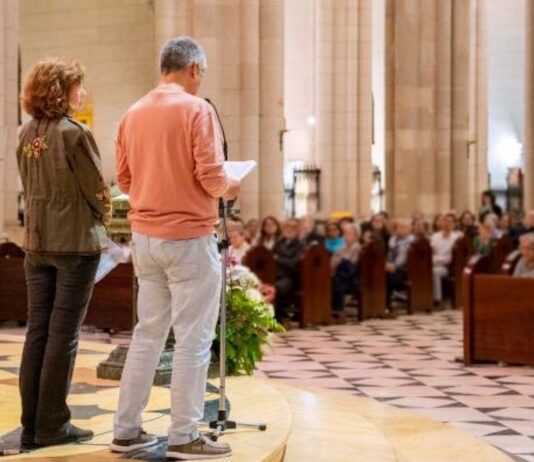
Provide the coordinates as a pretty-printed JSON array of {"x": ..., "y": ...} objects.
[{"x": 412, "y": 363}]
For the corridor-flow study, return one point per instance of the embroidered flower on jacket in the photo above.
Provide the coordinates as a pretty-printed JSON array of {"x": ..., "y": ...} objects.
[
  {"x": 35, "y": 148},
  {"x": 105, "y": 196}
]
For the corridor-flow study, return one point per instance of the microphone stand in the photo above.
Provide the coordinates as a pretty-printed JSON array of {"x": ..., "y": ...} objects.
[{"x": 222, "y": 423}]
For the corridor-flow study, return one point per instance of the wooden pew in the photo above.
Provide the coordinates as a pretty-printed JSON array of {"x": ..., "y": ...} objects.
[
  {"x": 500, "y": 249},
  {"x": 510, "y": 263},
  {"x": 113, "y": 304},
  {"x": 498, "y": 317},
  {"x": 493, "y": 263},
  {"x": 372, "y": 273},
  {"x": 419, "y": 277},
  {"x": 314, "y": 299},
  {"x": 13, "y": 297},
  {"x": 262, "y": 263},
  {"x": 462, "y": 251}
]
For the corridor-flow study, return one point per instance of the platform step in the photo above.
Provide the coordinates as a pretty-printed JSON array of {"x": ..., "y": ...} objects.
[{"x": 339, "y": 427}]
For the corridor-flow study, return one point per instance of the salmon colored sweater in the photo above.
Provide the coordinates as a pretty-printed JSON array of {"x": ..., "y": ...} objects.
[{"x": 170, "y": 162}]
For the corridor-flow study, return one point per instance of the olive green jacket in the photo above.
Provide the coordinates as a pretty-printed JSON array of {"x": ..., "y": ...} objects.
[{"x": 67, "y": 200}]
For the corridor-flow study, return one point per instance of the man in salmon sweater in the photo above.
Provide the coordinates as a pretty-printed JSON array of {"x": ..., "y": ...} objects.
[{"x": 170, "y": 161}]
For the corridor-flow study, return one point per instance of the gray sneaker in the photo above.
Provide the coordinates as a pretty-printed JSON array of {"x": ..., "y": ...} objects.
[
  {"x": 143, "y": 440},
  {"x": 201, "y": 448}
]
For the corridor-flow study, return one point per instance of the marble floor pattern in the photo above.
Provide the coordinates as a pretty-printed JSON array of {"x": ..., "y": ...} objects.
[{"x": 411, "y": 363}]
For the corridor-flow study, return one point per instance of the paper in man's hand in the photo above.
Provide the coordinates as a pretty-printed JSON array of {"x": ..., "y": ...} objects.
[{"x": 237, "y": 170}]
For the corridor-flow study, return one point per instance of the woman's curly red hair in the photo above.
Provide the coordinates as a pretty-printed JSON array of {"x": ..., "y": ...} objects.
[{"x": 46, "y": 89}]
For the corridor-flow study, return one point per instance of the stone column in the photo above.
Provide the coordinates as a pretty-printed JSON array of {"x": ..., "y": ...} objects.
[
  {"x": 8, "y": 112},
  {"x": 529, "y": 108},
  {"x": 271, "y": 106},
  {"x": 344, "y": 104},
  {"x": 250, "y": 107},
  {"x": 478, "y": 136},
  {"x": 469, "y": 104},
  {"x": 409, "y": 108},
  {"x": 324, "y": 78},
  {"x": 365, "y": 109},
  {"x": 435, "y": 98},
  {"x": 461, "y": 50}
]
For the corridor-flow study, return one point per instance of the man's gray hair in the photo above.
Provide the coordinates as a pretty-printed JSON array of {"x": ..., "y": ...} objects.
[
  {"x": 180, "y": 52},
  {"x": 527, "y": 239}
]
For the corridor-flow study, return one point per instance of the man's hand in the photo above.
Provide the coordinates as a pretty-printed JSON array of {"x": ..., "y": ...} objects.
[
  {"x": 232, "y": 191},
  {"x": 390, "y": 267}
]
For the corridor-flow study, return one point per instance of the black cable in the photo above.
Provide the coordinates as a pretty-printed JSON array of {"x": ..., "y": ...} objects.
[{"x": 221, "y": 126}]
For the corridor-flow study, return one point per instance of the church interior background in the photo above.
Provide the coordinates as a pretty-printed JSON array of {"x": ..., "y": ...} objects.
[{"x": 349, "y": 107}]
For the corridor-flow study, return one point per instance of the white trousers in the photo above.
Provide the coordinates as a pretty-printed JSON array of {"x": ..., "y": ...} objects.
[
  {"x": 179, "y": 287},
  {"x": 438, "y": 273}
]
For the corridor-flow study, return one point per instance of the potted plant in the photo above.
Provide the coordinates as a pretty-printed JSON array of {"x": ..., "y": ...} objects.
[{"x": 250, "y": 321}]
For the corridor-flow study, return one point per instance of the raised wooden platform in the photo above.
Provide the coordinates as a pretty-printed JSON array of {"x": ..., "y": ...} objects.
[{"x": 251, "y": 400}]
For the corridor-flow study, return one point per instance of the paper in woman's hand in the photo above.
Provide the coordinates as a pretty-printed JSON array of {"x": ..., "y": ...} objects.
[
  {"x": 237, "y": 170},
  {"x": 110, "y": 258}
]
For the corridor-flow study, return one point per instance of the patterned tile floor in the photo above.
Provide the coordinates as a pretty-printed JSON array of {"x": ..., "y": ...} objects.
[{"x": 410, "y": 363}]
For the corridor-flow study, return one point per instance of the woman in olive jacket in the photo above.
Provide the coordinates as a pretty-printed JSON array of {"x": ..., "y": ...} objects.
[{"x": 67, "y": 206}]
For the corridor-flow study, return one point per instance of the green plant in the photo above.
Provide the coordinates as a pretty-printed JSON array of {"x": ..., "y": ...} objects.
[{"x": 249, "y": 321}]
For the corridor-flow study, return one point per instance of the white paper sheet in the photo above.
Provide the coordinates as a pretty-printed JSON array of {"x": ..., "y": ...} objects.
[
  {"x": 237, "y": 170},
  {"x": 110, "y": 258}
]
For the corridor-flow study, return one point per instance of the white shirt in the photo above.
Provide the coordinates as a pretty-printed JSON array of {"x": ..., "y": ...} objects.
[
  {"x": 269, "y": 243},
  {"x": 239, "y": 253},
  {"x": 442, "y": 247}
]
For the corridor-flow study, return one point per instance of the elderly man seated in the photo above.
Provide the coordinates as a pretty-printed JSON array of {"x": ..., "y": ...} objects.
[
  {"x": 525, "y": 266},
  {"x": 398, "y": 256}
]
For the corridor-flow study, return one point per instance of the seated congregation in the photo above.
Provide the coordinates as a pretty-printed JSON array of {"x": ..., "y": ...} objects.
[
  {"x": 320, "y": 272},
  {"x": 379, "y": 265}
]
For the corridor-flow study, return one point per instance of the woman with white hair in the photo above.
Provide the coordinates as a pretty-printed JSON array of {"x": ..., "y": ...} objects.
[{"x": 525, "y": 266}]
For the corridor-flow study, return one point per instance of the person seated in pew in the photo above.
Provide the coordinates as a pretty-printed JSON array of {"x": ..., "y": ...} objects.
[
  {"x": 238, "y": 242},
  {"x": 270, "y": 232},
  {"x": 344, "y": 265},
  {"x": 525, "y": 266},
  {"x": 522, "y": 227},
  {"x": 488, "y": 205},
  {"x": 287, "y": 252},
  {"x": 488, "y": 232},
  {"x": 308, "y": 231},
  {"x": 468, "y": 224},
  {"x": 334, "y": 240},
  {"x": 437, "y": 224},
  {"x": 397, "y": 257},
  {"x": 420, "y": 227},
  {"x": 376, "y": 230},
  {"x": 506, "y": 222},
  {"x": 251, "y": 231},
  {"x": 442, "y": 243}
]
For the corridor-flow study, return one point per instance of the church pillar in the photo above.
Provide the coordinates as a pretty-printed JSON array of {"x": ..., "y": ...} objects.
[
  {"x": 8, "y": 112},
  {"x": 435, "y": 100},
  {"x": 271, "y": 72},
  {"x": 529, "y": 108},
  {"x": 344, "y": 104}
]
